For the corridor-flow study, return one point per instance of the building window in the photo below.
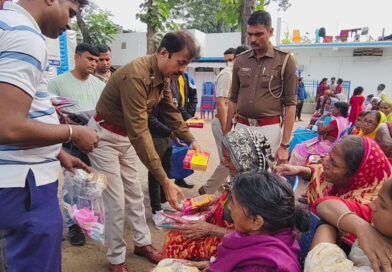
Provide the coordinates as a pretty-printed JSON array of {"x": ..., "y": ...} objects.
[{"x": 204, "y": 69}]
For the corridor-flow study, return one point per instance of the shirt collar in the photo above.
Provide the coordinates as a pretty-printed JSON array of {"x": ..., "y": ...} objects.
[
  {"x": 17, "y": 8},
  {"x": 156, "y": 75}
]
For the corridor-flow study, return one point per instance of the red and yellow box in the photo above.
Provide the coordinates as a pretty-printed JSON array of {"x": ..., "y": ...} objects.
[
  {"x": 195, "y": 123},
  {"x": 195, "y": 161}
]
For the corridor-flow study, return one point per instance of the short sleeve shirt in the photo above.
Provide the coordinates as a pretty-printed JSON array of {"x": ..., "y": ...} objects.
[
  {"x": 257, "y": 87},
  {"x": 23, "y": 61},
  {"x": 85, "y": 93},
  {"x": 223, "y": 82}
]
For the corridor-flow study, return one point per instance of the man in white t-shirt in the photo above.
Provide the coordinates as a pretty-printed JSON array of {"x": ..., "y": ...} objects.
[
  {"x": 30, "y": 137},
  {"x": 81, "y": 86},
  {"x": 223, "y": 86}
]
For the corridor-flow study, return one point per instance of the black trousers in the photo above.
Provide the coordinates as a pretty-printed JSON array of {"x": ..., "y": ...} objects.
[
  {"x": 163, "y": 146},
  {"x": 300, "y": 104}
]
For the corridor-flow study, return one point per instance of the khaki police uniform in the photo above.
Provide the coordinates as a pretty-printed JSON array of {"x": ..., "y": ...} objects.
[
  {"x": 259, "y": 91},
  {"x": 130, "y": 95}
]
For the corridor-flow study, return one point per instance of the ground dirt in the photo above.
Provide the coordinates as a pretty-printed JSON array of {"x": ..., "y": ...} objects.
[{"x": 91, "y": 257}]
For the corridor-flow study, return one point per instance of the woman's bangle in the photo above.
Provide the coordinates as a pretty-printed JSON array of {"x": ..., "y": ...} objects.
[
  {"x": 340, "y": 219},
  {"x": 70, "y": 134}
]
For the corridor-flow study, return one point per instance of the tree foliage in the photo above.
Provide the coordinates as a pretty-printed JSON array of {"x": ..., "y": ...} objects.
[
  {"x": 156, "y": 14},
  {"x": 202, "y": 15},
  {"x": 95, "y": 25},
  {"x": 210, "y": 16}
]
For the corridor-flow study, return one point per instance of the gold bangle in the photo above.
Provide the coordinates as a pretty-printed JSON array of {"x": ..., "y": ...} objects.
[
  {"x": 340, "y": 219},
  {"x": 70, "y": 134}
]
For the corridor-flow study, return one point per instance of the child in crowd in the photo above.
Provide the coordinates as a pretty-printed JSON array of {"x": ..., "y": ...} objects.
[
  {"x": 356, "y": 104},
  {"x": 356, "y": 128},
  {"x": 371, "y": 224},
  {"x": 262, "y": 207}
]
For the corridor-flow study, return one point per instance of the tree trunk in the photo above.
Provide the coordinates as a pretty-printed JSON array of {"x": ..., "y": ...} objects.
[
  {"x": 246, "y": 10},
  {"x": 151, "y": 40},
  {"x": 83, "y": 28},
  {"x": 219, "y": 26},
  {"x": 151, "y": 32}
]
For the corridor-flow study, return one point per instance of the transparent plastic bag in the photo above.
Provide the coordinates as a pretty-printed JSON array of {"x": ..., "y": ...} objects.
[{"x": 83, "y": 203}]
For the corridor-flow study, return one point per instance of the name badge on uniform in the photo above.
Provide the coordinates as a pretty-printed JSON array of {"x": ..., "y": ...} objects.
[{"x": 245, "y": 69}]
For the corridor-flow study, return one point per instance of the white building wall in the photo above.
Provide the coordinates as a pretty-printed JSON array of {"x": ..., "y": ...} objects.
[
  {"x": 128, "y": 46},
  {"x": 317, "y": 62},
  {"x": 200, "y": 38},
  {"x": 367, "y": 72},
  {"x": 217, "y": 43}
]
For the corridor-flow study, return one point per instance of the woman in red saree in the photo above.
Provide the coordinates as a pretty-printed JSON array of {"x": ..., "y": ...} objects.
[
  {"x": 354, "y": 170},
  {"x": 356, "y": 104}
]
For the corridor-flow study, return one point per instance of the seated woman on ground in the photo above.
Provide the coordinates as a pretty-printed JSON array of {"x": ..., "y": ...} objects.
[
  {"x": 243, "y": 150},
  {"x": 324, "y": 110},
  {"x": 354, "y": 170},
  {"x": 262, "y": 207},
  {"x": 386, "y": 108},
  {"x": 371, "y": 224},
  {"x": 375, "y": 102},
  {"x": 323, "y": 115},
  {"x": 372, "y": 121},
  {"x": 356, "y": 128},
  {"x": 328, "y": 136},
  {"x": 384, "y": 139}
]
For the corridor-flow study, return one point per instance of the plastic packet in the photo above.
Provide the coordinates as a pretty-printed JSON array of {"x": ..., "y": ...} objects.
[
  {"x": 198, "y": 203},
  {"x": 83, "y": 203},
  {"x": 165, "y": 221}
]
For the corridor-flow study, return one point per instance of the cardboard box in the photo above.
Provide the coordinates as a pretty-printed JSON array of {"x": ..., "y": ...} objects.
[{"x": 196, "y": 162}]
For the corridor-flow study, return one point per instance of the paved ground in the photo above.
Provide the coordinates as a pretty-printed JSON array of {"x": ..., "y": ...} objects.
[{"x": 91, "y": 257}]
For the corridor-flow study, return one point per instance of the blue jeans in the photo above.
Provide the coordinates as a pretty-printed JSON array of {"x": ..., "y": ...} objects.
[{"x": 32, "y": 226}]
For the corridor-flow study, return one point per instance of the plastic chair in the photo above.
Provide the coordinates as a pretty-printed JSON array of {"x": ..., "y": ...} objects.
[
  {"x": 293, "y": 181},
  {"x": 209, "y": 108},
  {"x": 208, "y": 88},
  {"x": 306, "y": 237}
]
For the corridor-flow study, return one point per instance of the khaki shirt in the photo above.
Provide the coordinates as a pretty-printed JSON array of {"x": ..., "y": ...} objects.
[
  {"x": 254, "y": 81},
  {"x": 130, "y": 95},
  {"x": 223, "y": 83}
]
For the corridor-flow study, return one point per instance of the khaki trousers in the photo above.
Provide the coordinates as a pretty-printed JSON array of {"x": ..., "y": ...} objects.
[
  {"x": 273, "y": 133},
  {"x": 116, "y": 158},
  {"x": 221, "y": 173}
]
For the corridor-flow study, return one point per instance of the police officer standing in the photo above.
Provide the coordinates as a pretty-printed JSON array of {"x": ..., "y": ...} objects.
[{"x": 264, "y": 87}]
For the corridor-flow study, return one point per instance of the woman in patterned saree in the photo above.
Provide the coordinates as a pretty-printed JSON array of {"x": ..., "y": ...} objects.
[
  {"x": 243, "y": 150},
  {"x": 328, "y": 136},
  {"x": 354, "y": 170}
]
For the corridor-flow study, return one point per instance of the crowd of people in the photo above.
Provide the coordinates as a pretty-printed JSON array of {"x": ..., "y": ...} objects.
[{"x": 139, "y": 111}]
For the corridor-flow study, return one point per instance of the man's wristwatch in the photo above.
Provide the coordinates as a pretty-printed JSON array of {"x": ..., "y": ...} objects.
[{"x": 285, "y": 146}]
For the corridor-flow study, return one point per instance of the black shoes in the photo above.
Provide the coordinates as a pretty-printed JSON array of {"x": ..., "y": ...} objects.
[
  {"x": 76, "y": 236},
  {"x": 182, "y": 183}
]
